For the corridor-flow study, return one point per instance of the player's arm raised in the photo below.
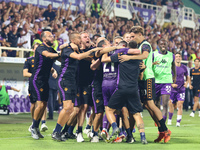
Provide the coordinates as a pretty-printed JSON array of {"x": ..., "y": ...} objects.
[
  {"x": 106, "y": 50},
  {"x": 82, "y": 55}
]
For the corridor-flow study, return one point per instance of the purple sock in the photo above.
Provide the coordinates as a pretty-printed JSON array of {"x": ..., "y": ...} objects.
[
  {"x": 170, "y": 115},
  {"x": 178, "y": 120},
  {"x": 164, "y": 117},
  {"x": 105, "y": 122}
]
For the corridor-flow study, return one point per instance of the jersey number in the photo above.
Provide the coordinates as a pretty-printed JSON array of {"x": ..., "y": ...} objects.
[{"x": 108, "y": 69}]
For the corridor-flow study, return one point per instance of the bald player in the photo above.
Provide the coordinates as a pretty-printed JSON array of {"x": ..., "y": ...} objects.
[{"x": 45, "y": 56}]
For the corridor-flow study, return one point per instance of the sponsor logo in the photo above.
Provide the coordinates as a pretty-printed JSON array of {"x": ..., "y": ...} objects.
[{"x": 163, "y": 61}]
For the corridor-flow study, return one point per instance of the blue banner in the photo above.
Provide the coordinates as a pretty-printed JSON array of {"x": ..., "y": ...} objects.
[{"x": 55, "y": 3}]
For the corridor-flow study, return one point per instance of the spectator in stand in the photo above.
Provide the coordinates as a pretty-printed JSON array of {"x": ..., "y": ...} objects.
[
  {"x": 4, "y": 35},
  {"x": 49, "y": 14},
  {"x": 95, "y": 9},
  {"x": 13, "y": 37},
  {"x": 164, "y": 2},
  {"x": 177, "y": 4}
]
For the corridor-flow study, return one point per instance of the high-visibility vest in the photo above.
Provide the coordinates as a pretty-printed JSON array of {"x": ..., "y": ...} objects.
[{"x": 98, "y": 7}]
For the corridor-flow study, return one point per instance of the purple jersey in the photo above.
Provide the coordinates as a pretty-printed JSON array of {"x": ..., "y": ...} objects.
[
  {"x": 60, "y": 42},
  {"x": 110, "y": 74},
  {"x": 110, "y": 70},
  {"x": 180, "y": 73}
]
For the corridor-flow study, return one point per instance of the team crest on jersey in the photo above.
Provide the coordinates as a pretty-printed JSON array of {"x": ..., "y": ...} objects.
[
  {"x": 84, "y": 93},
  {"x": 29, "y": 95},
  {"x": 66, "y": 89},
  {"x": 32, "y": 60},
  {"x": 97, "y": 101},
  {"x": 41, "y": 90},
  {"x": 77, "y": 94},
  {"x": 32, "y": 66}
]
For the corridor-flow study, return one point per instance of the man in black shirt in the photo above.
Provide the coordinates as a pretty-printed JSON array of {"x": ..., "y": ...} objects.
[
  {"x": 126, "y": 93},
  {"x": 49, "y": 14},
  {"x": 67, "y": 81},
  {"x": 45, "y": 56},
  {"x": 195, "y": 85}
]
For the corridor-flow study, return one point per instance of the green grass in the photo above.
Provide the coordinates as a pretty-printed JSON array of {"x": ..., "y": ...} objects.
[{"x": 14, "y": 135}]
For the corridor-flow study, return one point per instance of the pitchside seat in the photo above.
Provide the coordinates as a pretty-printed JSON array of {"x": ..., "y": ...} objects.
[
  {"x": 11, "y": 106},
  {"x": 22, "y": 103},
  {"x": 27, "y": 104},
  {"x": 16, "y": 103}
]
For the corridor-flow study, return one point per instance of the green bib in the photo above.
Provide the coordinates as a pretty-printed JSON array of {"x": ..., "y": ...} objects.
[
  {"x": 163, "y": 71},
  {"x": 4, "y": 97},
  {"x": 148, "y": 73}
]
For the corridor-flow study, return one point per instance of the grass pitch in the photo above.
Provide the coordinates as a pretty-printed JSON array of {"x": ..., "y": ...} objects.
[{"x": 14, "y": 135}]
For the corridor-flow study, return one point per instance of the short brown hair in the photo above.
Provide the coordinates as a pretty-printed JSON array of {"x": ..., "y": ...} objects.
[
  {"x": 137, "y": 29},
  {"x": 73, "y": 35}
]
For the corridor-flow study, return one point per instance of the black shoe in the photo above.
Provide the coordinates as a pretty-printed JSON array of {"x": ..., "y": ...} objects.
[
  {"x": 64, "y": 135},
  {"x": 71, "y": 136},
  {"x": 39, "y": 134},
  {"x": 50, "y": 118},
  {"x": 130, "y": 139},
  {"x": 57, "y": 136}
]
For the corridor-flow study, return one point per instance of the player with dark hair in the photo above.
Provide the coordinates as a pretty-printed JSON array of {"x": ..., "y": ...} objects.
[
  {"x": 147, "y": 84},
  {"x": 195, "y": 85},
  {"x": 178, "y": 90}
]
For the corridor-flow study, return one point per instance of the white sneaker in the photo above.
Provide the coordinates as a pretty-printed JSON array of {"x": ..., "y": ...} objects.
[
  {"x": 29, "y": 129},
  {"x": 95, "y": 139},
  {"x": 86, "y": 131},
  {"x": 191, "y": 114},
  {"x": 90, "y": 134},
  {"x": 43, "y": 127},
  {"x": 34, "y": 133},
  {"x": 169, "y": 122},
  {"x": 80, "y": 137},
  {"x": 178, "y": 124},
  {"x": 199, "y": 113}
]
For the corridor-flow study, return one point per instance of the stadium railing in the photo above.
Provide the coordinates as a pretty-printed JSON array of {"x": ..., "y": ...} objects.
[{"x": 21, "y": 50}]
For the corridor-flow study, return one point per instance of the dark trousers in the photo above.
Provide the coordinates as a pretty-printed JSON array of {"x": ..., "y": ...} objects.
[
  {"x": 51, "y": 101},
  {"x": 187, "y": 98}
]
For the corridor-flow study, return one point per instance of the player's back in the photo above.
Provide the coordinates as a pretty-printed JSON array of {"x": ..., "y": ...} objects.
[{"x": 128, "y": 74}]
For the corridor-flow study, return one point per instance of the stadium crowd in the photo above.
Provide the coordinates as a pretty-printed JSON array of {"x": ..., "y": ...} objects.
[{"x": 23, "y": 26}]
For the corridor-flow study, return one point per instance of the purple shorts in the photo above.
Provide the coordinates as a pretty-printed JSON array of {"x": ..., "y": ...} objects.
[
  {"x": 163, "y": 89},
  {"x": 107, "y": 93},
  {"x": 177, "y": 96},
  {"x": 108, "y": 88}
]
